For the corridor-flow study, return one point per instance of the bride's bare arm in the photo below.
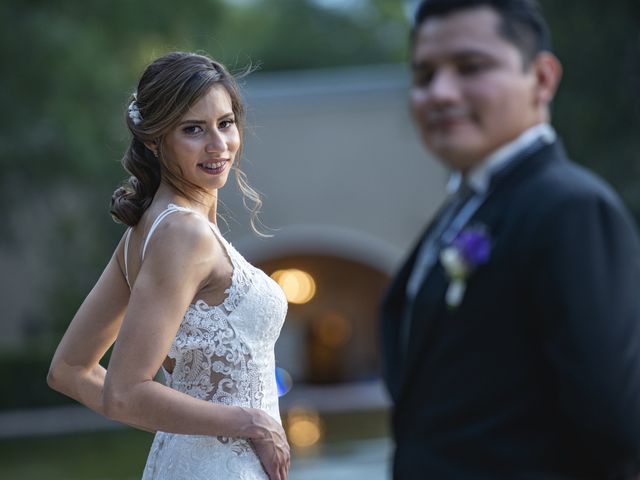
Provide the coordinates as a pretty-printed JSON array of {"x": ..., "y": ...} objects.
[{"x": 75, "y": 370}]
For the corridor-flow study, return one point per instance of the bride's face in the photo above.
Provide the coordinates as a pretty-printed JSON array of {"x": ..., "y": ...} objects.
[{"x": 205, "y": 141}]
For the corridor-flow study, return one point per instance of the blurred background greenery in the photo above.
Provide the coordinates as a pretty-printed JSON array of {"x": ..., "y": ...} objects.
[{"x": 69, "y": 67}]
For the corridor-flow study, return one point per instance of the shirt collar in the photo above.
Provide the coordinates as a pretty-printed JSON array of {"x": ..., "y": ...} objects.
[{"x": 480, "y": 175}]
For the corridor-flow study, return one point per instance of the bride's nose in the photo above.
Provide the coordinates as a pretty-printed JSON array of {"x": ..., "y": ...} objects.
[{"x": 216, "y": 143}]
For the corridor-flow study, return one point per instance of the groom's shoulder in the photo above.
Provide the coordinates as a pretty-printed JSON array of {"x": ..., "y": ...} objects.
[
  {"x": 554, "y": 188},
  {"x": 565, "y": 182},
  {"x": 563, "y": 196}
]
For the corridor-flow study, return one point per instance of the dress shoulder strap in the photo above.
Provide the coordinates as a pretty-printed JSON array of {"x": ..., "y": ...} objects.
[
  {"x": 176, "y": 208},
  {"x": 126, "y": 256},
  {"x": 164, "y": 214}
]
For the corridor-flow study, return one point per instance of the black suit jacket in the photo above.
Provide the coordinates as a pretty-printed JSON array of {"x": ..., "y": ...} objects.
[{"x": 536, "y": 374}]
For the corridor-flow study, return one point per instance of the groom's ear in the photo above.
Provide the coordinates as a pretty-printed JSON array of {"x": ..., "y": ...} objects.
[{"x": 547, "y": 70}]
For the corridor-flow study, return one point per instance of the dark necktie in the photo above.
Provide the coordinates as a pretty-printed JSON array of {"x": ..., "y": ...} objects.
[
  {"x": 439, "y": 235},
  {"x": 433, "y": 243}
]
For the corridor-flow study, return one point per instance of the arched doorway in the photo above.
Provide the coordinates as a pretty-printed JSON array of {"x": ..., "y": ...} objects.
[
  {"x": 330, "y": 335},
  {"x": 329, "y": 343}
]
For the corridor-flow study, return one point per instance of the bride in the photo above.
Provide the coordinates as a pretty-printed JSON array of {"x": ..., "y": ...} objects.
[{"x": 177, "y": 296}]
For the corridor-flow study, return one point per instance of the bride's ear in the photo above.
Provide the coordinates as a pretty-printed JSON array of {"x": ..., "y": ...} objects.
[{"x": 153, "y": 146}]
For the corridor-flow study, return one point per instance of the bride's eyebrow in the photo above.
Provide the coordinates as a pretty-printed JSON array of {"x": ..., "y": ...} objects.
[
  {"x": 203, "y": 122},
  {"x": 192, "y": 122}
]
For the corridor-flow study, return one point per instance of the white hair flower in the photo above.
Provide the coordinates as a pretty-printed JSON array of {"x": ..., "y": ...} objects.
[{"x": 134, "y": 111}]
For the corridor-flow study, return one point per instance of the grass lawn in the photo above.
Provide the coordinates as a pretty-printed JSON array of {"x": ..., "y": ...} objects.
[
  {"x": 108, "y": 455},
  {"x": 121, "y": 454}
]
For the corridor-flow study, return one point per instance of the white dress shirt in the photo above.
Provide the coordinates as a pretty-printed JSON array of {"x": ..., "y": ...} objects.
[{"x": 480, "y": 175}]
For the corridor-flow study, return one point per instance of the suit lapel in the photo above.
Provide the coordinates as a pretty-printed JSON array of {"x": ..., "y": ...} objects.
[
  {"x": 429, "y": 303},
  {"x": 392, "y": 308},
  {"x": 392, "y": 315}
]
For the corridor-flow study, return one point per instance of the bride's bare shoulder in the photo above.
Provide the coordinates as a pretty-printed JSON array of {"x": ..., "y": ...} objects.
[{"x": 184, "y": 234}]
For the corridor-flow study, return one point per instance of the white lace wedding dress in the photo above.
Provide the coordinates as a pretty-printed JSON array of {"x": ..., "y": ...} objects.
[{"x": 223, "y": 354}]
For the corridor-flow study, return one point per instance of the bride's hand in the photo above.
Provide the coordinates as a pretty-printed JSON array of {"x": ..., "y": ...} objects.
[
  {"x": 270, "y": 443},
  {"x": 274, "y": 454}
]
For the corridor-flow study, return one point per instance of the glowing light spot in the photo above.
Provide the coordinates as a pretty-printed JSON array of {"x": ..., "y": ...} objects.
[
  {"x": 333, "y": 329},
  {"x": 304, "y": 428},
  {"x": 298, "y": 286},
  {"x": 284, "y": 382}
]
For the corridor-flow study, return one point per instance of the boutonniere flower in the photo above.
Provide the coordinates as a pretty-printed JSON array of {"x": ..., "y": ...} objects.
[{"x": 470, "y": 249}]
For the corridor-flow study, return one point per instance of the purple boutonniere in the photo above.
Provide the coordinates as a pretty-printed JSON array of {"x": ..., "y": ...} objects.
[{"x": 470, "y": 249}]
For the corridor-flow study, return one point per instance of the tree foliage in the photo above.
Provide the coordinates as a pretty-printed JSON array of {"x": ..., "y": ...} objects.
[
  {"x": 598, "y": 106},
  {"x": 73, "y": 63}
]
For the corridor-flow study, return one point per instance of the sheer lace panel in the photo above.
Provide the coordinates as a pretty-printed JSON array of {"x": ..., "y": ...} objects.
[{"x": 212, "y": 362}]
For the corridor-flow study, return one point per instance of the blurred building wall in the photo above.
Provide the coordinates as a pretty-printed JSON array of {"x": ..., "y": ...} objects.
[{"x": 335, "y": 151}]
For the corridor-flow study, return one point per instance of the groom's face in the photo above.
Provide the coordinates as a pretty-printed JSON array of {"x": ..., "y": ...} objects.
[{"x": 471, "y": 92}]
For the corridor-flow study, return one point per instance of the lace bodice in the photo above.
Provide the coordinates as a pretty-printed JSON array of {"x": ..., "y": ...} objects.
[{"x": 224, "y": 354}]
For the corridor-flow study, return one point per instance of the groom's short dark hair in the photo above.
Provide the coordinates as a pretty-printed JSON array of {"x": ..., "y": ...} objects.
[{"x": 522, "y": 22}]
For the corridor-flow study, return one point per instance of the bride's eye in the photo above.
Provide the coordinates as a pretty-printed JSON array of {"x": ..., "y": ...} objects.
[
  {"x": 226, "y": 123},
  {"x": 192, "y": 129}
]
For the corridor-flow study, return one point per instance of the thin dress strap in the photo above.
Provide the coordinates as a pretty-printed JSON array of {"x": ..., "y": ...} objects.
[
  {"x": 126, "y": 256},
  {"x": 170, "y": 209},
  {"x": 213, "y": 226}
]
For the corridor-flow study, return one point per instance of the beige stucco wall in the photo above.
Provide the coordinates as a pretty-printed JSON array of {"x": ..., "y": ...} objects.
[{"x": 338, "y": 161}]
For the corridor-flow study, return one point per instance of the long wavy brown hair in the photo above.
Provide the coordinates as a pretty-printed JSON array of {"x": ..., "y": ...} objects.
[{"x": 167, "y": 89}]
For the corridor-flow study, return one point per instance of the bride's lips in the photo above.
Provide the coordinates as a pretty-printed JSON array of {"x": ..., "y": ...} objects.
[{"x": 215, "y": 167}]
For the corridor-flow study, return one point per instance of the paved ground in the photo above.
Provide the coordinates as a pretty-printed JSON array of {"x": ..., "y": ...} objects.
[
  {"x": 358, "y": 460},
  {"x": 74, "y": 418}
]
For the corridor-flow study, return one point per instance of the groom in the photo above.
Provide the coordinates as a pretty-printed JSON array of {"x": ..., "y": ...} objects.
[{"x": 511, "y": 335}]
